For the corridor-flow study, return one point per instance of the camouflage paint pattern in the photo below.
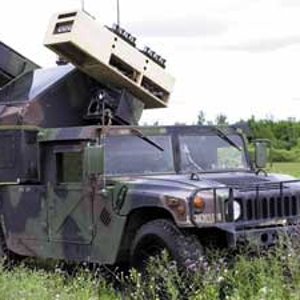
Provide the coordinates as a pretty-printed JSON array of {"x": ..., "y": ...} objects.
[
  {"x": 63, "y": 97},
  {"x": 95, "y": 219},
  {"x": 46, "y": 98}
]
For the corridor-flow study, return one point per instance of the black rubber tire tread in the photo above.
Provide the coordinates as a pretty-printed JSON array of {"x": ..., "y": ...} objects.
[
  {"x": 3, "y": 248},
  {"x": 185, "y": 249},
  {"x": 9, "y": 258}
]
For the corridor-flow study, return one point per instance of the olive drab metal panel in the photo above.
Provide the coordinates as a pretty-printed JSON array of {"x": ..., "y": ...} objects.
[
  {"x": 69, "y": 195},
  {"x": 18, "y": 155},
  {"x": 94, "y": 159}
]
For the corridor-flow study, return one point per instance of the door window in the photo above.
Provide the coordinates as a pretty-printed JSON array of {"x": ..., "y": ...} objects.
[{"x": 69, "y": 167}]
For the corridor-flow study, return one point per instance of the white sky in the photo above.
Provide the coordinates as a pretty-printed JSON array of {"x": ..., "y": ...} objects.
[{"x": 236, "y": 57}]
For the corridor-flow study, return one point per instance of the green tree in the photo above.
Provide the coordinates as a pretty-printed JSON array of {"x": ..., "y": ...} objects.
[
  {"x": 201, "y": 118},
  {"x": 221, "y": 119}
]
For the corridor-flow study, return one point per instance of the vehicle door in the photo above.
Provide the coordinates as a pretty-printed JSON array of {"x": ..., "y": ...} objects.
[{"x": 70, "y": 198}]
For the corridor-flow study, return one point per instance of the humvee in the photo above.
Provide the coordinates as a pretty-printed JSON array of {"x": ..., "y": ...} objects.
[
  {"x": 119, "y": 194},
  {"x": 81, "y": 181}
]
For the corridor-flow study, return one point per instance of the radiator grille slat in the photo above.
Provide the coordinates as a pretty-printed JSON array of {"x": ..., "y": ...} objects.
[{"x": 265, "y": 207}]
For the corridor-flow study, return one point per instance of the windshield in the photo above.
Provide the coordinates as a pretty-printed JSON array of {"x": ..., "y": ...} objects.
[
  {"x": 207, "y": 153},
  {"x": 133, "y": 155},
  {"x": 31, "y": 84}
]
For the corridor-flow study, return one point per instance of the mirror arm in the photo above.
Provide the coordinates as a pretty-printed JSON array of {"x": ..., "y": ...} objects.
[{"x": 261, "y": 171}]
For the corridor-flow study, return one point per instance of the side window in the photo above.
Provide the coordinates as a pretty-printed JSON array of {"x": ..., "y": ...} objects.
[{"x": 69, "y": 167}]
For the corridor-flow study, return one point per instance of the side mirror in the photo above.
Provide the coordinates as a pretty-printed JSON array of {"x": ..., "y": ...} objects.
[
  {"x": 261, "y": 153},
  {"x": 94, "y": 159}
]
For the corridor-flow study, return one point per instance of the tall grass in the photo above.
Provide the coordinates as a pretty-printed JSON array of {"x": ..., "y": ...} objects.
[
  {"x": 251, "y": 274},
  {"x": 29, "y": 283}
]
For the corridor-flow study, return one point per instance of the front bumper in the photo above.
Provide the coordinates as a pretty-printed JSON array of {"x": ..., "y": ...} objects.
[{"x": 261, "y": 237}]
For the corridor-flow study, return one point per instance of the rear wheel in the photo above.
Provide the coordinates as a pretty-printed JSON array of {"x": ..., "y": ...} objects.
[
  {"x": 4, "y": 253},
  {"x": 7, "y": 257},
  {"x": 158, "y": 235},
  {"x": 3, "y": 248}
]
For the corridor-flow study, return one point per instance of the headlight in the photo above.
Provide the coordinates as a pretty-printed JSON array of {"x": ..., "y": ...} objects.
[{"x": 237, "y": 211}]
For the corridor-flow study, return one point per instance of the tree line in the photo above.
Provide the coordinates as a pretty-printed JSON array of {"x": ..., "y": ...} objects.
[{"x": 283, "y": 134}]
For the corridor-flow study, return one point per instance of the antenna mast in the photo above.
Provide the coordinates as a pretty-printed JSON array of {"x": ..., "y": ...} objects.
[
  {"x": 118, "y": 13},
  {"x": 82, "y": 5}
]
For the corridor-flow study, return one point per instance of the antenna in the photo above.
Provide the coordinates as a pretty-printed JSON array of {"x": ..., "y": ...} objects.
[
  {"x": 118, "y": 13},
  {"x": 106, "y": 113},
  {"x": 82, "y": 5}
]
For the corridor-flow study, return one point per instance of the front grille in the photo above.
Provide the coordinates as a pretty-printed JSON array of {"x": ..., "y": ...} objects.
[
  {"x": 269, "y": 207},
  {"x": 260, "y": 199}
]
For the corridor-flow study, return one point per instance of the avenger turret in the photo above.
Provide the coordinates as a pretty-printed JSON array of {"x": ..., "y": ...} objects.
[{"x": 108, "y": 79}]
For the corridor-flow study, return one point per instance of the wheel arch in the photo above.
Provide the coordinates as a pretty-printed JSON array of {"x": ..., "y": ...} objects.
[
  {"x": 160, "y": 234},
  {"x": 136, "y": 218}
]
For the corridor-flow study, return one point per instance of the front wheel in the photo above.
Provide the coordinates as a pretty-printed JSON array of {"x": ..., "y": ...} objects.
[{"x": 158, "y": 235}]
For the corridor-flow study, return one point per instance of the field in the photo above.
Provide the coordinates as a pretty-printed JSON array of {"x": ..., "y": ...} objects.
[
  {"x": 286, "y": 168},
  {"x": 271, "y": 276}
]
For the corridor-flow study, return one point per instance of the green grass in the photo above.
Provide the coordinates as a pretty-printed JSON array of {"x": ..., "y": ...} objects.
[
  {"x": 252, "y": 276},
  {"x": 27, "y": 283},
  {"x": 290, "y": 168}
]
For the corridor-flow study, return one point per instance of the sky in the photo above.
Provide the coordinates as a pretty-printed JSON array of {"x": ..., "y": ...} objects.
[{"x": 235, "y": 57}]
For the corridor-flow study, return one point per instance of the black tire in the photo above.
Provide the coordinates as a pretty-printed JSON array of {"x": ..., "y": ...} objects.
[
  {"x": 5, "y": 255},
  {"x": 8, "y": 258},
  {"x": 3, "y": 248},
  {"x": 160, "y": 234}
]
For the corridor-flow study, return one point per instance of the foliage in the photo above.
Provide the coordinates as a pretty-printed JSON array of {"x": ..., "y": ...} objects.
[
  {"x": 201, "y": 118},
  {"x": 25, "y": 282},
  {"x": 221, "y": 119},
  {"x": 283, "y": 134},
  {"x": 282, "y": 155},
  {"x": 251, "y": 275},
  {"x": 248, "y": 275}
]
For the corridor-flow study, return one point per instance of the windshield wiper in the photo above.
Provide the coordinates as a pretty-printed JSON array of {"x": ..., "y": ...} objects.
[
  {"x": 226, "y": 138},
  {"x": 139, "y": 134}
]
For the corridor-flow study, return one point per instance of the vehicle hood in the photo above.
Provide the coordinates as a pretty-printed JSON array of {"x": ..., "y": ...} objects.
[{"x": 183, "y": 185}]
